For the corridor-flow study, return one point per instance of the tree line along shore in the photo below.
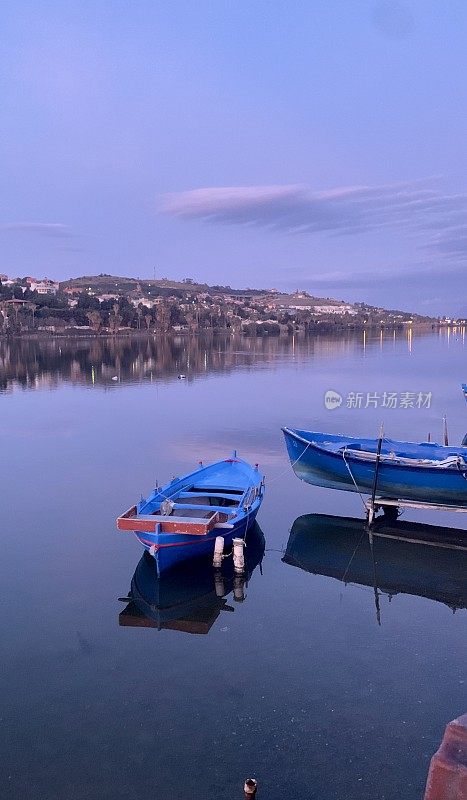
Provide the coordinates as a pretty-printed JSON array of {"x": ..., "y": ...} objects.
[{"x": 87, "y": 306}]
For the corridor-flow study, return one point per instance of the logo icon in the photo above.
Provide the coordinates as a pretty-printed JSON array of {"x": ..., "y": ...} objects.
[{"x": 332, "y": 400}]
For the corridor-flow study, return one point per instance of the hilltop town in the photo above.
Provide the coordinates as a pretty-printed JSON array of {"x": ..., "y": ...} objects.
[{"x": 107, "y": 304}]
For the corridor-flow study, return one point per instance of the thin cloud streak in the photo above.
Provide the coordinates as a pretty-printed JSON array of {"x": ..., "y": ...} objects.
[
  {"x": 52, "y": 229},
  {"x": 452, "y": 243},
  {"x": 341, "y": 211},
  {"x": 413, "y": 274}
]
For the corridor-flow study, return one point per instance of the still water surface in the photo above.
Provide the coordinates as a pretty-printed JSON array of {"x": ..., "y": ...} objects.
[{"x": 318, "y": 687}]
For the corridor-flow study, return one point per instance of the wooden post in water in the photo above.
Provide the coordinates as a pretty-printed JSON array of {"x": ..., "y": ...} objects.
[{"x": 250, "y": 787}]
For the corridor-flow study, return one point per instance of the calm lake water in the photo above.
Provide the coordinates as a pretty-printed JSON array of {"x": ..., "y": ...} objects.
[{"x": 299, "y": 685}]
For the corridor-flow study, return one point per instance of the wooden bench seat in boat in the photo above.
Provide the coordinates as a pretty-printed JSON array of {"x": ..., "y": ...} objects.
[
  {"x": 204, "y": 509},
  {"x": 199, "y": 525},
  {"x": 224, "y": 495}
]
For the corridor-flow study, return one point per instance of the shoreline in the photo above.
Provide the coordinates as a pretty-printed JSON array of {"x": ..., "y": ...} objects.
[{"x": 326, "y": 328}]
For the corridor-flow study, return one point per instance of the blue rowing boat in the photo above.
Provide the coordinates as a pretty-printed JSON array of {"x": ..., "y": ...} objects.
[
  {"x": 424, "y": 472},
  {"x": 181, "y": 520},
  {"x": 464, "y": 389}
]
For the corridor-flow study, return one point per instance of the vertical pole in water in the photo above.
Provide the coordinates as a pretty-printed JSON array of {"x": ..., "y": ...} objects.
[
  {"x": 238, "y": 556},
  {"x": 446, "y": 437},
  {"x": 375, "y": 584},
  {"x": 371, "y": 511}
]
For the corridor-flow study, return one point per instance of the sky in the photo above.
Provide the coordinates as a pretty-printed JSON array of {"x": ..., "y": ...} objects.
[{"x": 315, "y": 145}]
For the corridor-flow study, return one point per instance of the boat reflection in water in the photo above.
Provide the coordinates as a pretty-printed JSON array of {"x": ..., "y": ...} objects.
[
  {"x": 405, "y": 557},
  {"x": 189, "y": 598}
]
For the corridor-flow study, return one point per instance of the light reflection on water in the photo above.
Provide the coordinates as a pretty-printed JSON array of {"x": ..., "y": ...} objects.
[
  {"x": 106, "y": 361},
  {"x": 300, "y": 687}
]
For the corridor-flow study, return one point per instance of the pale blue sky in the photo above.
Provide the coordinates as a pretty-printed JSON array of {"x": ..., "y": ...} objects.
[{"x": 335, "y": 129}]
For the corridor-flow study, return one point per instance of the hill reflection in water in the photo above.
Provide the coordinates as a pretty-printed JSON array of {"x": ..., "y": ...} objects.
[{"x": 107, "y": 361}]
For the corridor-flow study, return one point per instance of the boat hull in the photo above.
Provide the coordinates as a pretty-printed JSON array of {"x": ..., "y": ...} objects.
[
  {"x": 170, "y": 550},
  {"x": 314, "y": 463}
]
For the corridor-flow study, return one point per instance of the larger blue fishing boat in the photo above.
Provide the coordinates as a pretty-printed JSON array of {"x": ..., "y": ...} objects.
[
  {"x": 426, "y": 472},
  {"x": 181, "y": 520}
]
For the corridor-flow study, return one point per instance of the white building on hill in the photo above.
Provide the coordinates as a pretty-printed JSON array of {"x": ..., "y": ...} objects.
[
  {"x": 45, "y": 286},
  {"x": 335, "y": 309}
]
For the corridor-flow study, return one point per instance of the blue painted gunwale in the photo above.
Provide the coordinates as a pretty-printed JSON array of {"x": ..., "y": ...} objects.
[
  {"x": 171, "y": 549},
  {"x": 318, "y": 458}
]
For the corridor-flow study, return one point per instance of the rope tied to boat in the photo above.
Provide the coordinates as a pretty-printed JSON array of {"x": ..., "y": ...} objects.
[
  {"x": 353, "y": 479},
  {"x": 292, "y": 464},
  {"x": 344, "y": 576}
]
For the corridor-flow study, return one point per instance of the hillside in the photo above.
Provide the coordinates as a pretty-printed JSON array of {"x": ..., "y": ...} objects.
[
  {"x": 135, "y": 287},
  {"x": 123, "y": 285}
]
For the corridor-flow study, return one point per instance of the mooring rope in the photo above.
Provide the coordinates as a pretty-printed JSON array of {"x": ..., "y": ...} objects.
[
  {"x": 353, "y": 479},
  {"x": 353, "y": 555},
  {"x": 292, "y": 464}
]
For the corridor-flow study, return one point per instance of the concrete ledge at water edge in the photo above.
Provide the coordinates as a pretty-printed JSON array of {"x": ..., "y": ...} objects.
[{"x": 447, "y": 776}]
